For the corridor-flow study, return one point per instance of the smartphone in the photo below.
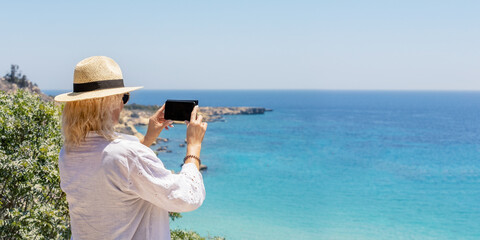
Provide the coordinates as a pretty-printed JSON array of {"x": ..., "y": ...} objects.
[{"x": 179, "y": 110}]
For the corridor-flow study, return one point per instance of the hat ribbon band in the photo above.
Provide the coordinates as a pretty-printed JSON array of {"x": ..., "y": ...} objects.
[{"x": 92, "y": 86}]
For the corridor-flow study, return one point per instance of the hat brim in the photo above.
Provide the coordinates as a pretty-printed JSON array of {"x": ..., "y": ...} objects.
[{"x": 73, "y": 96}]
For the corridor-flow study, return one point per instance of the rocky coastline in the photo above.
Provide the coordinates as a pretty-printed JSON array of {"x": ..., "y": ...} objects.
[
  {"x": 135, "y": 114},
  {"x": 10, "y": 87}
]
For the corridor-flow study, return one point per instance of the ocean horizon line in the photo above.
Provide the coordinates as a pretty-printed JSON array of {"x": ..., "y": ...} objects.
[{"x": 309, "y": 90}]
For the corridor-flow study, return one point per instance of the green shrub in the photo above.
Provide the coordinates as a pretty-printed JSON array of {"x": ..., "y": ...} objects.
[
  {"x": 178, "y": 234},
  {"x": 32, "y": 204}
]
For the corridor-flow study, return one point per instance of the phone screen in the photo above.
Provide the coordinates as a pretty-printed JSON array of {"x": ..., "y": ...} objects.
[{"x": 179, "y": 110}]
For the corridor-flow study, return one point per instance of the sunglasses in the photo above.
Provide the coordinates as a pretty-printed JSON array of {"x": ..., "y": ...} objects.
[{"x": 125, "y": 98}]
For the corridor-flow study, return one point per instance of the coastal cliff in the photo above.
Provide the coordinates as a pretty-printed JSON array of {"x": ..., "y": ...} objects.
[
  {"x": 135, "y": 114},
  {"x": 11, "y": 87}
]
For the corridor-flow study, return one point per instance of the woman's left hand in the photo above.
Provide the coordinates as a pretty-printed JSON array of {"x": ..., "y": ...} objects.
[{"x": 156, "y": 124}]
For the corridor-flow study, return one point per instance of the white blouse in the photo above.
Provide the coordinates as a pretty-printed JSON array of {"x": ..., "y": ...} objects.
[{"x": 121, "y": 190}]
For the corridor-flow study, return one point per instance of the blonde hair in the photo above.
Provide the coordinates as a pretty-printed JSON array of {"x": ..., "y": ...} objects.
[{"x": 81, "y": 117}]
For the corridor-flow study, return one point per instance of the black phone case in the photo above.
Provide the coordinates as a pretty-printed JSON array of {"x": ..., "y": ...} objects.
[{"x": 179, "y": 110}]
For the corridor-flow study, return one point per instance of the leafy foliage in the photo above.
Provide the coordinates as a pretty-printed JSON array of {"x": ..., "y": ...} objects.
[
  {"x": 32, "y": 203},
  {"x": 179, "y": 234},
  {"x": 174, "y": 215}
]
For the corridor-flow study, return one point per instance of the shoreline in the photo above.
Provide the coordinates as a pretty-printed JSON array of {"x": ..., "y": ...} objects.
[{"x": 136, "y": 114}]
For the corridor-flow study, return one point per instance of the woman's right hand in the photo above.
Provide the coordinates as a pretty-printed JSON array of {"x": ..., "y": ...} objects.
[{"x": 195, "y": 133}]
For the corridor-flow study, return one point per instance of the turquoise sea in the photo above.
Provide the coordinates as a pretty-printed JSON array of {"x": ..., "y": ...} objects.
[{"x": 335, "y": 164}]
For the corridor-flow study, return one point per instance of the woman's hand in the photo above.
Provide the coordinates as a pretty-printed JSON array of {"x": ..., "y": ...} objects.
[
  {"x": 195, "y": 132},
  {"x": 195, "y": 129},
  {"x": 156, "y": 124}
]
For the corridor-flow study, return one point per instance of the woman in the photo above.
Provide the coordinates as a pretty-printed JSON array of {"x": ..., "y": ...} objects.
[{"x": 116, "y": 186}]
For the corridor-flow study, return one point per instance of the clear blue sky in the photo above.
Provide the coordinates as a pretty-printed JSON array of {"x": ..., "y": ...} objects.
[{"x": 249, "y": 44}]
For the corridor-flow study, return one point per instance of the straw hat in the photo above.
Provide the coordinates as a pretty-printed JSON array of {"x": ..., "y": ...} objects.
[{"x": 96, "y": 77}]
